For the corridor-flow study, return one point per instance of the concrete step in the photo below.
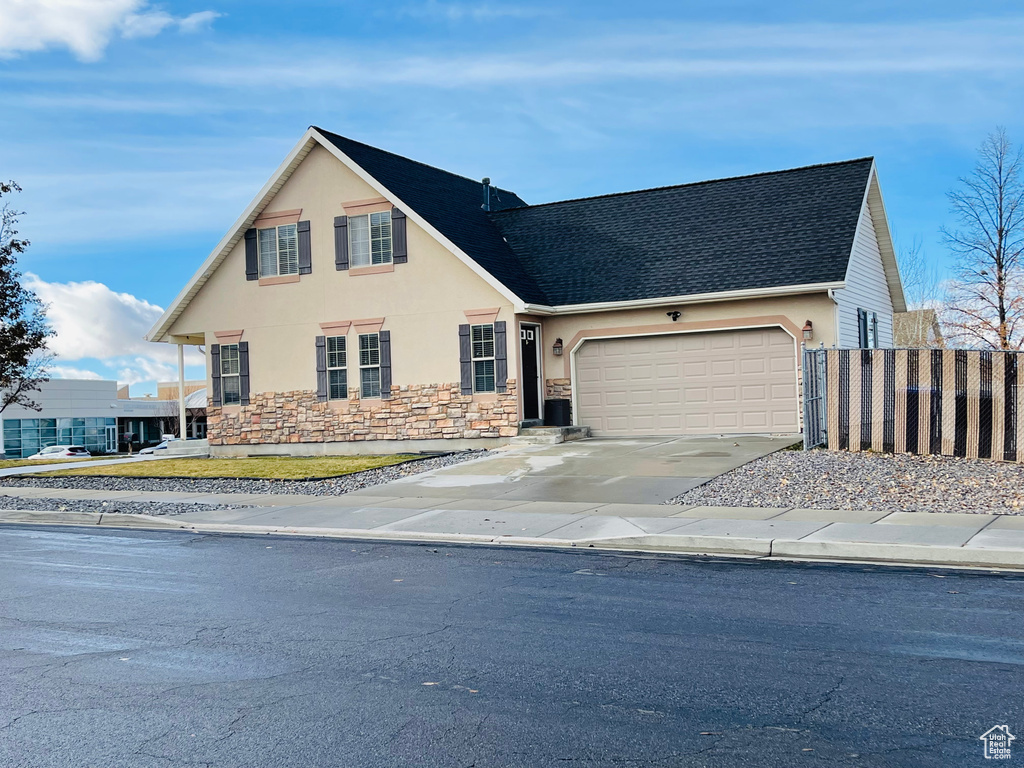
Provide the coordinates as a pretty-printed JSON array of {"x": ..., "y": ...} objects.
[{"x": 550, "y": 435}]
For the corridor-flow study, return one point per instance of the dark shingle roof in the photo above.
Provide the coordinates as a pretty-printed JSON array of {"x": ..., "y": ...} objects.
[
  {"x": 784, "y": 228},
  {"x": 452, "y": 204},
  {"x": 774, "y": 229}
]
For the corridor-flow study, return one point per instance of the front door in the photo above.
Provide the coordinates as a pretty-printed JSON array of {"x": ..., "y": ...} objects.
[
  {"x": 529, "y": 338},
  {"x": 110, "y": 439}
]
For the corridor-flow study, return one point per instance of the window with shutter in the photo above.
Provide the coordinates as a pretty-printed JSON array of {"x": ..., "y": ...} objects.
[
  {"x": 230, "y": 370},
  {"x": 278, "y": 250},
  {"x": 369, "y": 239},
  {"x": 369, "y": 365},
  {"x": 482, "y": 337},
  {"x": 337, "y": 368}
]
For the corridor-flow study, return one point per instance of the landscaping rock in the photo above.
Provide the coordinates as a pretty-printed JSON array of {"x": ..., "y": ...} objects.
[
  {"x": 334, "y": 486},
  {"x": 867, "y": 481},
  {"x": 158, "y": 508}
]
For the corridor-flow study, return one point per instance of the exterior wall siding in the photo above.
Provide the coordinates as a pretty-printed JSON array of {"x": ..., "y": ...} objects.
[
  {"x": 414, "y": 412},
  {"x": 866, "y": 288}
]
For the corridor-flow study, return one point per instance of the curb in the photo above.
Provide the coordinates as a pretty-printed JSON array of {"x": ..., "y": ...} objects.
[{"x": 720, "y": 546}]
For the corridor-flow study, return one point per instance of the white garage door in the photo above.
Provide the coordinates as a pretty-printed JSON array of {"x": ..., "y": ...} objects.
[{"x": 720, "y": 382}]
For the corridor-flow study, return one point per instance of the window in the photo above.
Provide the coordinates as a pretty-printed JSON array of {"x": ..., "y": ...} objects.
[
  {"x": 483, "y": 358},
  {"x": 230, "y": 382},
  {"x": 370, "y": 239},
  {"x": 369, "y": 364},
  {"x": 279, "y": 250},
  {"x": 337, "y": 375},
  {"x": 867, "y": 329}
]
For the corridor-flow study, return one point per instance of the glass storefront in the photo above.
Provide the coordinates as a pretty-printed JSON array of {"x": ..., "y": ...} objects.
[{"x": 24, "y": 437}]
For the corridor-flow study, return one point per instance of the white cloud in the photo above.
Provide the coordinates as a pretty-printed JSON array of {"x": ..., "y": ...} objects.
[
  {"x": 85, "y": 27},
  {"x": 472, "y": 11},
  {"x": 94, "y": 323},
  {"x": 67, "y": 372}
]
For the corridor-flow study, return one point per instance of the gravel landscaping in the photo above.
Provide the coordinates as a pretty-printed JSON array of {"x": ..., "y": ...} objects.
[
  {"x": 334, "y": 486},
  {"x": 867, "y": 481},
  {"x": 109, "y": 507}
]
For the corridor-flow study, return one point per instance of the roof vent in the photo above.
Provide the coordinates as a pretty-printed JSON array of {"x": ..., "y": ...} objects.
[{"x": 487, "y": 193}]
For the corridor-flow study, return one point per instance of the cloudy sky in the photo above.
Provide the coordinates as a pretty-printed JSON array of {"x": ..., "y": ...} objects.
[{"x": 140, "y": 130}]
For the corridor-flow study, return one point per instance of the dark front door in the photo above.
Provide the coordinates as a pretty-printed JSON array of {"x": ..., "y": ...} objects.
[{"x": 531, "y": 396}]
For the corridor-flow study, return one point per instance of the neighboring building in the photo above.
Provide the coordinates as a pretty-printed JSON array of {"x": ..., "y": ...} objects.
[
  {"x": 158, "y": 416},
  {"x": 363, "y": 297},
  {"x": 917, "y": 329},
  {"x": 93, "y": 414}
]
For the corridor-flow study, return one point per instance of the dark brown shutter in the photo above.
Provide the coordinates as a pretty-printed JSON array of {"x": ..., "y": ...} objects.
[
  {"x": 385, "y": 363},
  {"x": 321, "y": 368},
  {"x": 215, "y": 374},
  {"x": 341, "y": 242},
  {"x": 466, "y": 360},
  {"x": 399, "y": 248},
  {"x": 500, "y": 358},
  {"x": 305, "y": 249},
  {"x": 243, "y": 372},
  {"x": 252, "y": 256}
]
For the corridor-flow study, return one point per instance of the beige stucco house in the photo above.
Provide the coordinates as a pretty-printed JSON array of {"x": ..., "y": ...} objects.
[{"x": 364, "y": 299}]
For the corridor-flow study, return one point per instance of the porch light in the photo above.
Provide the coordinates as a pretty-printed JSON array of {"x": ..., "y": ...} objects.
[
  {"x": 556, "y": 348},
  {"x": 808, "y": 331}
]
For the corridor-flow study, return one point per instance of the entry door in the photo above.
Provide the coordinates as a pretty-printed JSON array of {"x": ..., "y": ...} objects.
[
  {"x": 110, "y": 439},
  {"x": 528, "y": 342}
]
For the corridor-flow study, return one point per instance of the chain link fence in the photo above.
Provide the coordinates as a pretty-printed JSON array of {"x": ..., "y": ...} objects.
[{"x": 926, "y": 401}]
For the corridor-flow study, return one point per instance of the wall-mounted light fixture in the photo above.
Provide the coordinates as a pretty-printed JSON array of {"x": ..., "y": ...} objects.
[
  {"x": 675, "y": 314},
  {"x": 808, "y": 331},
  {"x": 556, "y": 348}
]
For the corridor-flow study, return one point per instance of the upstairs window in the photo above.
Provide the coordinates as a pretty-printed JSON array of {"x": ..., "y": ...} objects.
[
  {"x": 482, "y": 337},
  {"x": 230, "y": 381},
  {"x": 369, "y": 364},
  {"x": 279, "y": 250},
  {"x": 337, "y": 374},
  {"x": 370, "y": 239}
]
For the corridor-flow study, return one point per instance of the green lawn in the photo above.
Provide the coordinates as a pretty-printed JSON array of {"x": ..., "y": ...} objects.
[
  {"x": 271, "y": 468},
  {"x": 8, "y": 463}
]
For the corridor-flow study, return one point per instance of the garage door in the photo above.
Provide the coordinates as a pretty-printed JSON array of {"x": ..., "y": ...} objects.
[{"x": 718, "y": 382}]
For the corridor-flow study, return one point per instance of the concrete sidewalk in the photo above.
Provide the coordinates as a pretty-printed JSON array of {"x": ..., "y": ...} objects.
[{"x": 900, "y": 537}]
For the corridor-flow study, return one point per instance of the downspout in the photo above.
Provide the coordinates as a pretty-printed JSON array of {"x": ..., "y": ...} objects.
[{"x": 835, "y": 317}]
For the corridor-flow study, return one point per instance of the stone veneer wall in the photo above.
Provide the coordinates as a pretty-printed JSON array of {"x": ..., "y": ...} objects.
[
  {"x": 417, "y": 412},
  {"x": 558, "y": 389}
]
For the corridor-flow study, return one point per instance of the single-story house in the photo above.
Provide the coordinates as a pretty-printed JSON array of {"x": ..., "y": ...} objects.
[{"x": 364, "y": 297}]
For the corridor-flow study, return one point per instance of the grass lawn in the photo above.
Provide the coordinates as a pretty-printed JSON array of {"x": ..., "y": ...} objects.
[
  {"x": 8, "y": 463},
  {"x": 270, "y": 468}
]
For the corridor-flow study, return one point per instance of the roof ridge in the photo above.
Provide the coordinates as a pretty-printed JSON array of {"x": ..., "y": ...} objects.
[
  {"x": 688, "y": 184},
  {"x": 409, "y": 159}
]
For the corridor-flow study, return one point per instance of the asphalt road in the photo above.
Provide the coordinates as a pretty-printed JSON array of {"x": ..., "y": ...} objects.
[{"x": 163, "y": 649}]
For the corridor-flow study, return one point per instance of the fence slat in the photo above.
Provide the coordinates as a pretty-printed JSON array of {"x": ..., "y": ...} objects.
[{"x": 954, "y": 402}]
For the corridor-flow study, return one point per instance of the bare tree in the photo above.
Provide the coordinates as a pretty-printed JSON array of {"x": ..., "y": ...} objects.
[
  {"x": 986, "y": 298},
  {"x": 23, "y": 328}
]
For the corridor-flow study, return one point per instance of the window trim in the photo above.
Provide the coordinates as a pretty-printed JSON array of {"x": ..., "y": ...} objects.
[
  {"x": 277, "y": 252},
  {"x": 237, "y": 375},
  {"x": 354, "y": 263},
  {"x": 343, "y": 367},
  {"x": 492, "y": 358},
  {"x": 369, "y": 367}
]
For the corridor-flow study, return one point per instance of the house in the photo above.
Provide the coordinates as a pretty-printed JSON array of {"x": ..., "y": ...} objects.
[
  {"x": 363, "y": 299},
  {"x": 917, "y": 329},
  {"x": 94, "y": 414}
]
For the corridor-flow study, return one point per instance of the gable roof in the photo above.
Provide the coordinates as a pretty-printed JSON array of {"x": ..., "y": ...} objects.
[
  {"x": 780, "y": 232},
  {"x": 453, "y": 205},
  {"x": 768, "y": 230}
]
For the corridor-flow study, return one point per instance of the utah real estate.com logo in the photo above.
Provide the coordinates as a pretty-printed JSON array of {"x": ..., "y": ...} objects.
[{"x": 997, "y": 742}]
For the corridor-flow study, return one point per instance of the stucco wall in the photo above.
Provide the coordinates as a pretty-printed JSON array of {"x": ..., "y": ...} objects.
[{"x": 422, "y": 302}]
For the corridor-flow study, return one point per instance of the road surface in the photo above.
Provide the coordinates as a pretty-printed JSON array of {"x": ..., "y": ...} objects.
[{"x": 126, "y": 648}]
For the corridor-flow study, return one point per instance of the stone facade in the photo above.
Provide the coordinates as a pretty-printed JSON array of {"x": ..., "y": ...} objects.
[
  {"x": 418, "y": 412},
  {"x": 558, "y": 389}
]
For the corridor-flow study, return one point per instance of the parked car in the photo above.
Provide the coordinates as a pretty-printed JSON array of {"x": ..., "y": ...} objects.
[
  {"x": 161, "y": 447},
  {"x": 62, "y": 452}
]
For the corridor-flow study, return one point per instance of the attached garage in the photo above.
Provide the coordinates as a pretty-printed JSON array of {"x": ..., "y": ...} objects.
[{"x": 717, "y": 382}]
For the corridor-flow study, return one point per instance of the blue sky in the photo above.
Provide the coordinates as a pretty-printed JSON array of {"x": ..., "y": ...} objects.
[{"x": 139, "y": 130}]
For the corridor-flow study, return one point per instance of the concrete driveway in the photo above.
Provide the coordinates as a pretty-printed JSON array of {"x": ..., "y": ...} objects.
[{"x": 626, "y": 471}]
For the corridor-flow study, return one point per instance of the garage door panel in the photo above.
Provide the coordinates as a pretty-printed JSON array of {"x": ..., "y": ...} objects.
[{"x": 700, "y": 383}]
